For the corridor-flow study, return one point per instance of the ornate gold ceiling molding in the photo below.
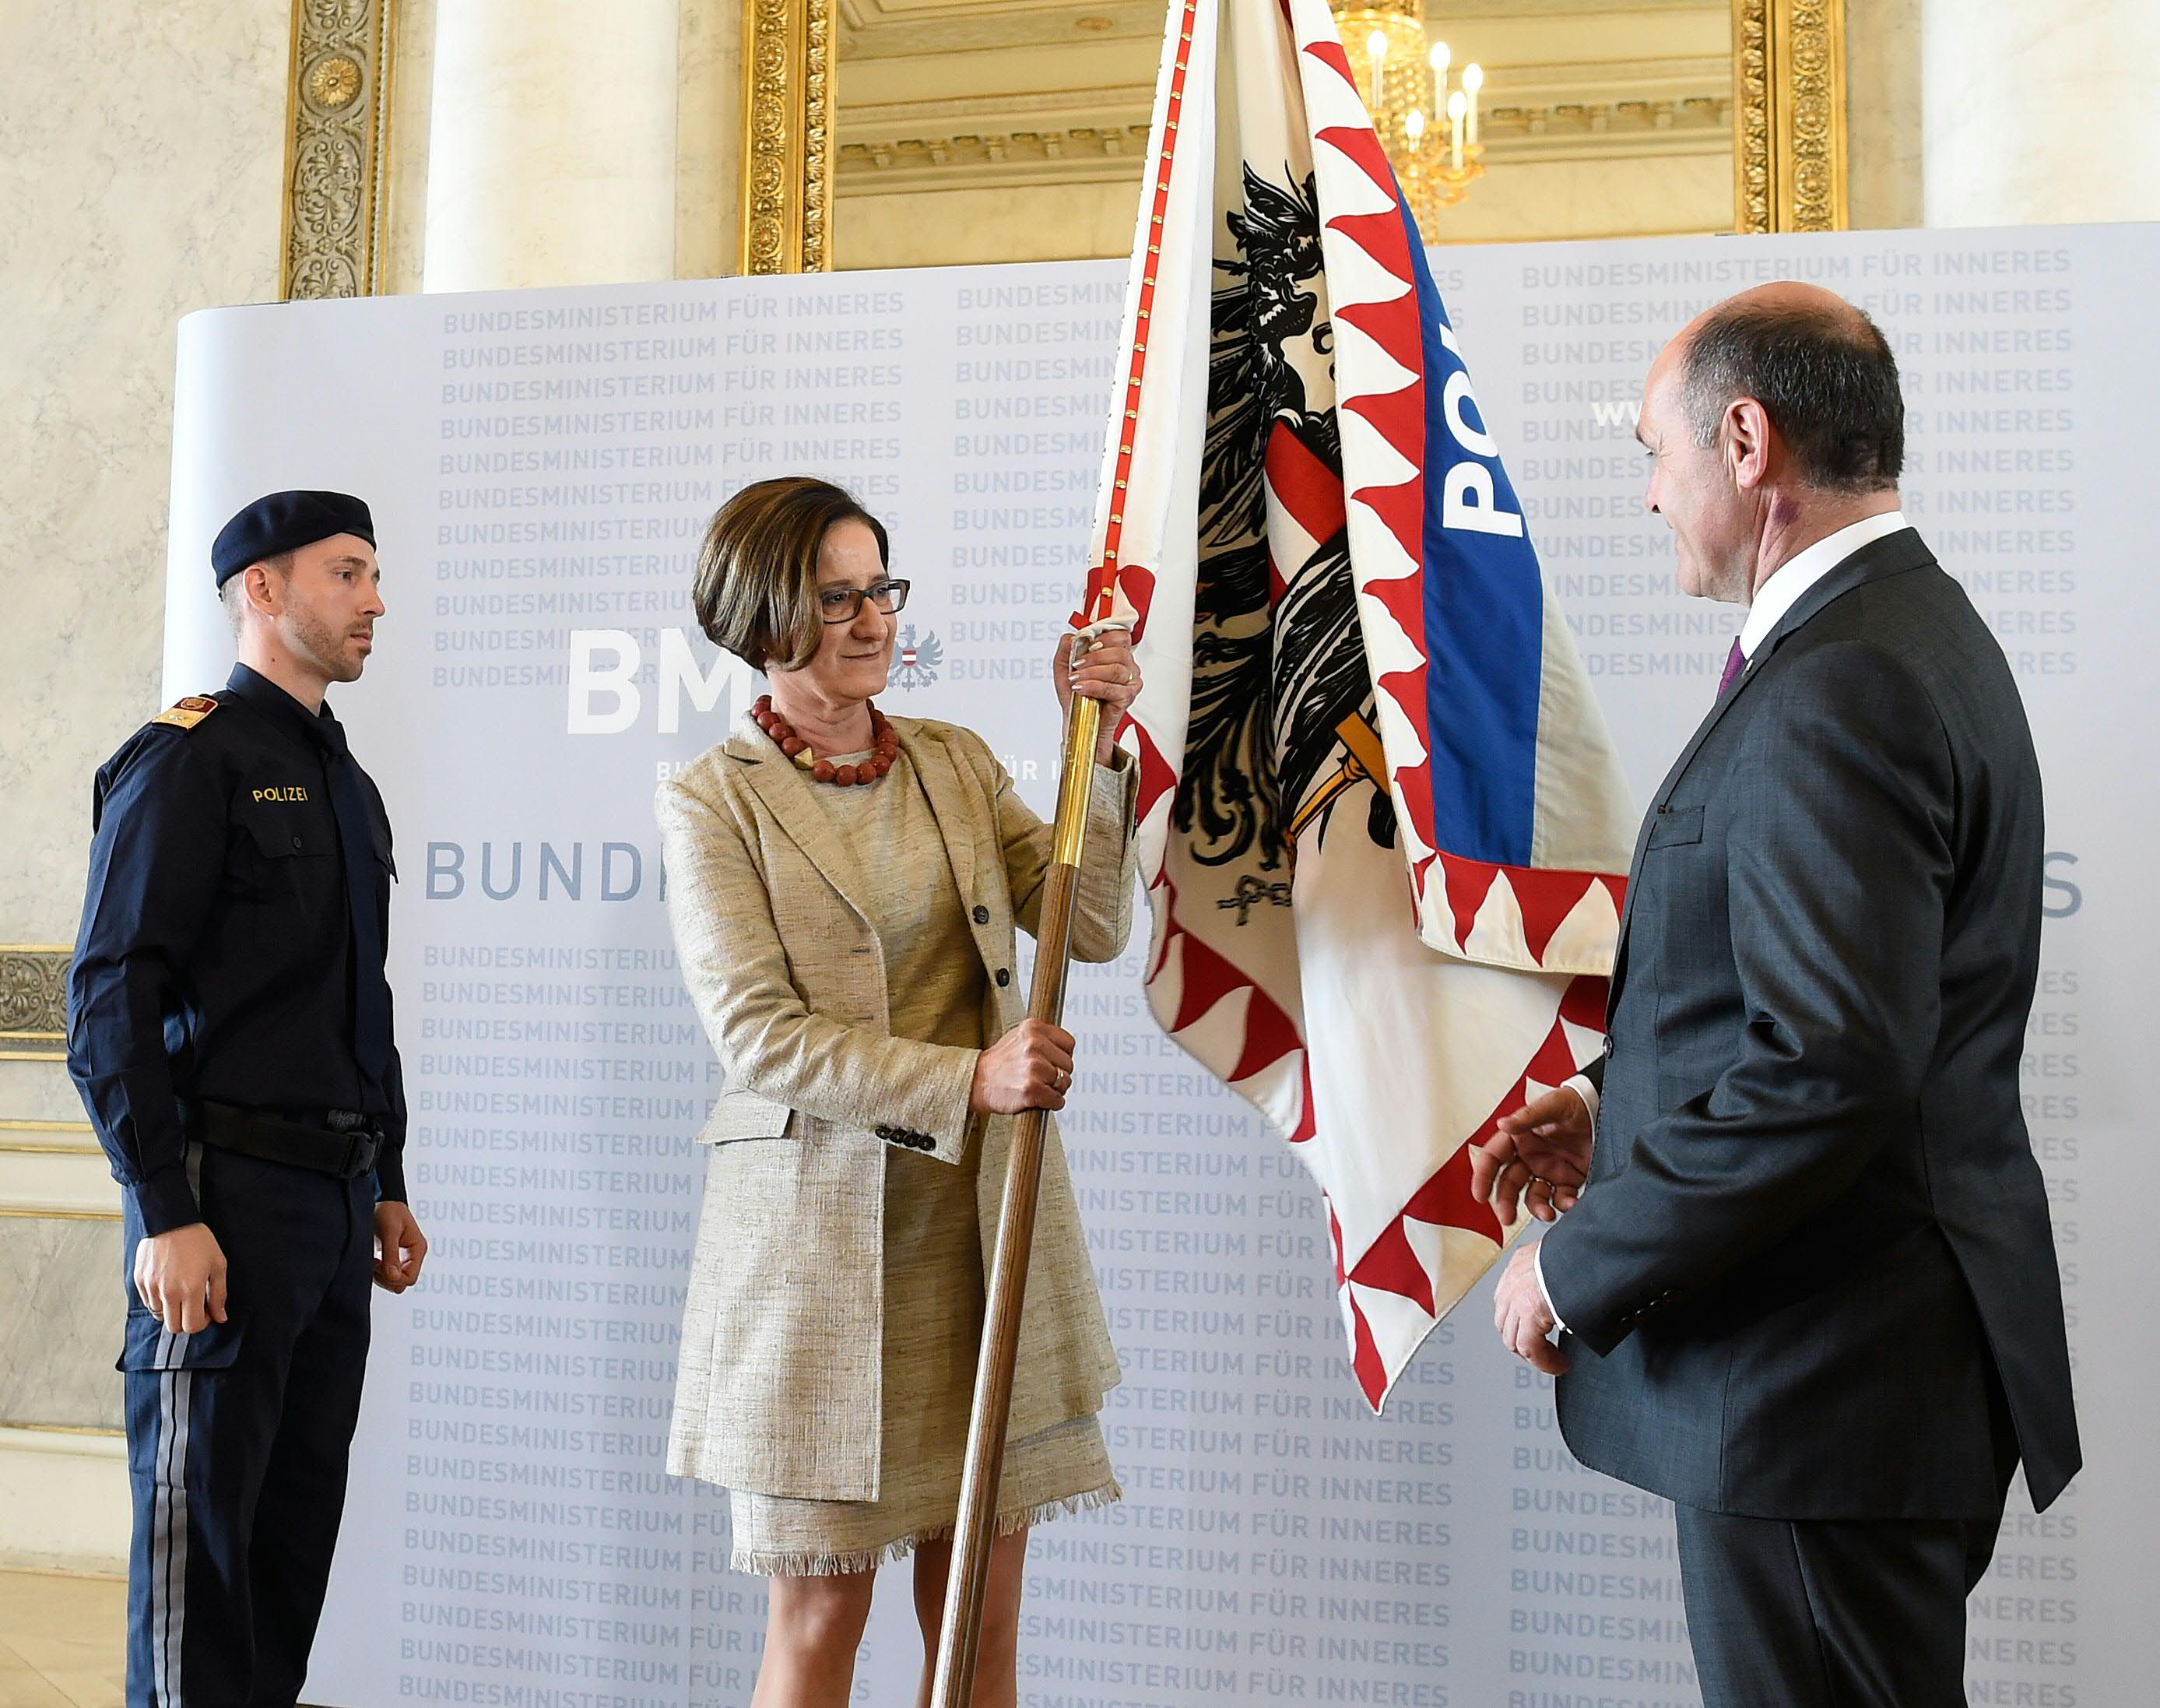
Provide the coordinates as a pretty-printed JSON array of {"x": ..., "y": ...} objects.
[
  {"x": 1072, "y": 136},
  {"x": 1790, "y": 122},
  {"x": 1606, "y": 110},
  {"x": 337, "y": 155},
  {"x": 873, "y": 31},
  {"x": 789, "y": 73},
  {"x": 33, "y": 1001},
  {"x": 1442, "y": 13},
  {"x": 1010, "y": 159}
]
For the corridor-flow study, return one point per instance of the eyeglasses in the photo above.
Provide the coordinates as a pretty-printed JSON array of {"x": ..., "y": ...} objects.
[{"x": 843, "y": 605}]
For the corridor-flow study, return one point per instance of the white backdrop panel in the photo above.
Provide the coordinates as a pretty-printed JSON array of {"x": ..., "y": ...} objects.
[{"x": 541, "y": 466}]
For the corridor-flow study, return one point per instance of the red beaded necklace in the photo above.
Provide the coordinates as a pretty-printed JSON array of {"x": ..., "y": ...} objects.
[{"x": 884, "y": 741}]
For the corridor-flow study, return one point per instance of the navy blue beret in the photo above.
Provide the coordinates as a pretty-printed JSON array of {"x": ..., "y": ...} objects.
[{"x": 285, "y": 521}]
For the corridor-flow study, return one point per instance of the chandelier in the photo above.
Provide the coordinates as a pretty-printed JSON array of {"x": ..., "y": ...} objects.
[{"x": 1429, "y": 130}]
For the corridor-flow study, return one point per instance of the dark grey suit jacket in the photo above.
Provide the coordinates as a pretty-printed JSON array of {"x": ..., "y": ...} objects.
[{"x": 1815, "y": 1239}]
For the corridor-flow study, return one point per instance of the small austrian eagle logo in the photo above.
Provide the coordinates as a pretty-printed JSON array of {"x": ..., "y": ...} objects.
[{"x": 915, "y": 663}]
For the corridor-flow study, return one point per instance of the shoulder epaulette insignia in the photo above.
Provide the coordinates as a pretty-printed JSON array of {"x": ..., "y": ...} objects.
[{"x": 185, "y": 714}]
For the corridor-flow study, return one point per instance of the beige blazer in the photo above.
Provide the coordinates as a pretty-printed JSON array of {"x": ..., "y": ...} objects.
[{"x": 779, "y": 1386}]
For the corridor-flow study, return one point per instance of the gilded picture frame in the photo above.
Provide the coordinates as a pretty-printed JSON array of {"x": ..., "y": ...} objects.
[
  {"x": 1789, "y": 115},
  {"x": 332, "y": 239},
  {"x": 788, "y": 160},
  {"x": 1789, "y": 134}
]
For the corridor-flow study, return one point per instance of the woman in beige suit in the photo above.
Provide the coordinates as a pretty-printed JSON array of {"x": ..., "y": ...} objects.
[{"x": 844, "y": 890}]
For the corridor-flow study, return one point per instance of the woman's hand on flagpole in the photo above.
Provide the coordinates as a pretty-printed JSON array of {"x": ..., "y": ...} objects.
[
  {"x": 1107, "y": 671},
  {"x": 1030, "y": 1067}
]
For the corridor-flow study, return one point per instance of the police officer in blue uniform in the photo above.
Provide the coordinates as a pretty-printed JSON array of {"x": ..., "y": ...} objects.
[{"x": 229, "y": 1028}]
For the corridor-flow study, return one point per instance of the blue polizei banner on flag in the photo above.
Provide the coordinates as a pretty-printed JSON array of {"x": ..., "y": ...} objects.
[
  {"x": 1383, "y": 826},
  {"x": 1484, "y": 612}
]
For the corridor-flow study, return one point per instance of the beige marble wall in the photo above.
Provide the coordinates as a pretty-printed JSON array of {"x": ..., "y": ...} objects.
[
  {"x": 37, "y": 1091},
  {"x": 61, "y": 1330},
  {"x": 2037, "y": 115},
  {"x": 140, "y": 151}
]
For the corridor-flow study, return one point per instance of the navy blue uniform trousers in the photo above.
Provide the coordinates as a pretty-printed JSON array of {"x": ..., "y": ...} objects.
[{"x": 237, "y": 1438}]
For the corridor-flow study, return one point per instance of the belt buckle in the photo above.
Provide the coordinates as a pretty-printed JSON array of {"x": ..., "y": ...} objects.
[
  {"x": 362, "y": 1147},
  {"x": 363, "y": 1142}
]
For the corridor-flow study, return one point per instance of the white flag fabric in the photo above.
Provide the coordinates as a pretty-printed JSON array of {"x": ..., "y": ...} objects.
[{"x": 1382, "y": 824}]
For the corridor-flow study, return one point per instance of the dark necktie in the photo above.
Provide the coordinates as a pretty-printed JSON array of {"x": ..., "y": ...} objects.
[
  {"x": 1735, "y": 662},
  {"x": 355, "y": 822}
]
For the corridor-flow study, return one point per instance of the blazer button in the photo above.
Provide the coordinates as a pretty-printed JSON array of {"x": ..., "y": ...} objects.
[
  {"x": 1005, "y": 978},
  {"x": 982, "y": 916}
]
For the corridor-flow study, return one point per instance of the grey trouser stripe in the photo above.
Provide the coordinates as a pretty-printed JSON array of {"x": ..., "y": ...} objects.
[{"x": 168, "y": 1526}]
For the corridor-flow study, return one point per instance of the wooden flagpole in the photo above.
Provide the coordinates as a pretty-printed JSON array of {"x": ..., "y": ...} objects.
[{"x": 960, "y": 1638}]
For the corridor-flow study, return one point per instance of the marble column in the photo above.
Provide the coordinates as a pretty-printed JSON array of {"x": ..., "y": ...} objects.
[
  {"x": 1883, "y": 174},
  {"x": 551, "y": 143},
  {"x": 708, "y": 138},
  {"x": 2034, "y": 114}
]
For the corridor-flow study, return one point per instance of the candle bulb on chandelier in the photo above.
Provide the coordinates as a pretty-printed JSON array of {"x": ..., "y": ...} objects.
[
  {"x": 1456, "y": 104},
  {"x": 1473, "y": 80}
]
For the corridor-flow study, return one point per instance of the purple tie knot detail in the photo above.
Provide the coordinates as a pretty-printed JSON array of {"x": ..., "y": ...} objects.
[{"x": 1735, "y": 662}]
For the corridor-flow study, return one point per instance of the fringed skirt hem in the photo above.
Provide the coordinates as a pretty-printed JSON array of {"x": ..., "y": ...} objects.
[{"x": 797, "y": 1563}]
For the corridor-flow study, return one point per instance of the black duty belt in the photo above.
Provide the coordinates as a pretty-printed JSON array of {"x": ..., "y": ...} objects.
[{"x": 345, "y": 1144}]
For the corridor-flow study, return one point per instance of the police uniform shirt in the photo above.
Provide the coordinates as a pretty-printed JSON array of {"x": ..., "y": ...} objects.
[{"x": 214, "y": 960}]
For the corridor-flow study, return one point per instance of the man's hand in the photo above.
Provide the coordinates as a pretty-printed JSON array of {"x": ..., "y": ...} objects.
[
  {"x": 399, "y": 1247},
  {"x": 1540, "y": 1156},
  {"x": 180, "y": 1276},
  {"x": 1520, "y": 1313}
]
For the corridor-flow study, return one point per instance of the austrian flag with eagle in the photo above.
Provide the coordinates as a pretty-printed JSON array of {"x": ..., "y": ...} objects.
[{"x": 1382, "y": 823}]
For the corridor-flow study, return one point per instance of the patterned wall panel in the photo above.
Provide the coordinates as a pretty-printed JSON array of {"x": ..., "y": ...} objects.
[
  {"x": 33, "y": 1002},
  {"x": 336, "y": 152}
]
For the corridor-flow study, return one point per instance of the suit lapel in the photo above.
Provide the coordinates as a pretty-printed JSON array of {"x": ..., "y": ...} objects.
[
  {"x": 1891, "y": 555},
  {"x": 954, "y": 801},
  {"x": 787, "y": 792}
]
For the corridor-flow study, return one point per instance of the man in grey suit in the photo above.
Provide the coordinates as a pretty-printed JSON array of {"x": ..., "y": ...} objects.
[{"x": 1804, "y": 1278}]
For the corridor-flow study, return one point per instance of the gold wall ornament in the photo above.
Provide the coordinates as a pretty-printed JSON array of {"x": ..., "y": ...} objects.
[
  {"x": 789, "y": 78},
  {"x": 33, "y": 1001},
  {"x": 336, "y": 148},
  {"x": 1789, "y": 131},
  {"x": 333, "y": 82}
]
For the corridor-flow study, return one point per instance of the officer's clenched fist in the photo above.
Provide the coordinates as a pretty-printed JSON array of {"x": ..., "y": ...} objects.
[
  {"x": 399, "y": 1247},
  {"x": 180, "y": 1275}
]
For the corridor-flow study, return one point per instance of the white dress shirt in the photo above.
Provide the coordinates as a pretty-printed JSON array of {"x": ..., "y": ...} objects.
[
  {"x": 1783, "y": 590},
  {"x": 1793, "y": 577}
]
